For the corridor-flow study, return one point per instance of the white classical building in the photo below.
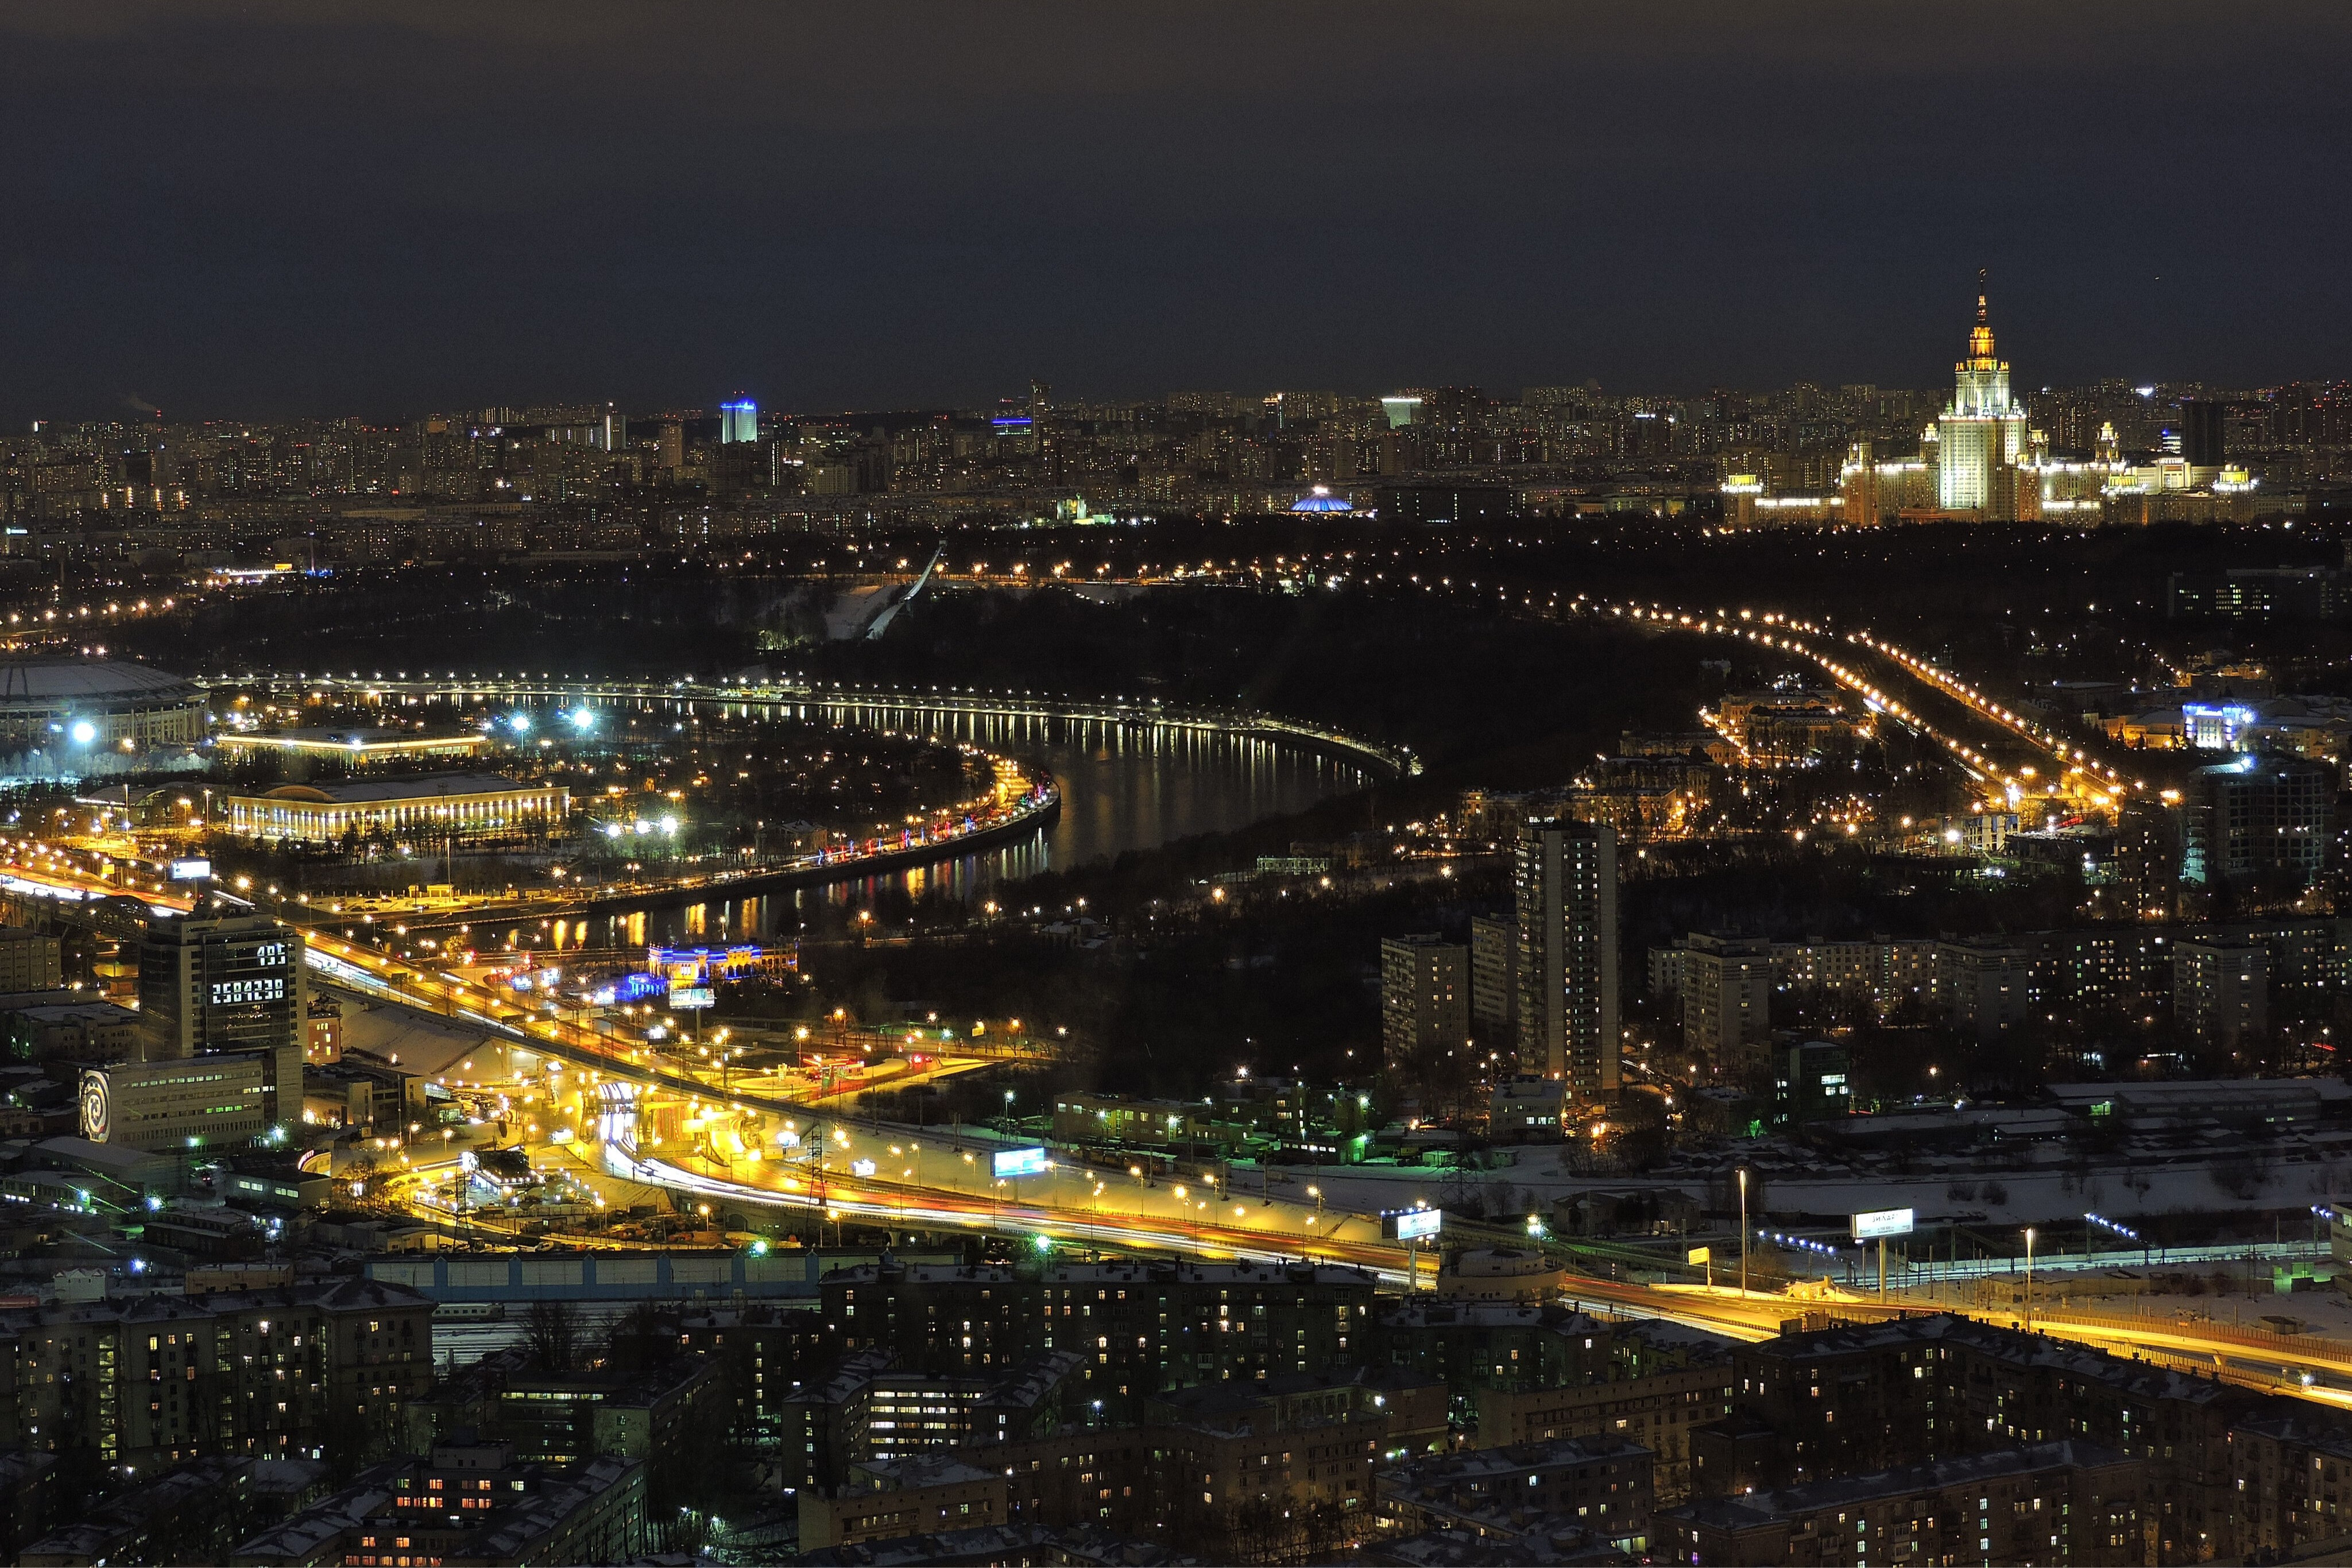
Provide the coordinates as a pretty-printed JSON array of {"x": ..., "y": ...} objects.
[{"x": 1982, "y": 433}]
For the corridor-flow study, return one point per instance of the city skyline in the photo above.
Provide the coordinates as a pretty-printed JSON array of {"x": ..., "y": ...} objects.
[
  {"x": 742, "y": 402},
  {"x": 1484, "y": 782},
  {"x": 2110, "y": 451},
  {"x": 739, "y": 416}
]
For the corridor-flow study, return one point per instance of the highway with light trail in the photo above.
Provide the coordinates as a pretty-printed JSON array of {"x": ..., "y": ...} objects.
[{"x": 1074, "y": 1203}]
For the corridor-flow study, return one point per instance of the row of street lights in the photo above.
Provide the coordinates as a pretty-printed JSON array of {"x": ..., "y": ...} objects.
[{"x": 2124, "y": 1232}]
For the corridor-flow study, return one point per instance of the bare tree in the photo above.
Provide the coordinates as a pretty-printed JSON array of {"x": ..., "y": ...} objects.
[
  {"x": 638, "y": 1339},
  {"x": 551, "y": 1331}
]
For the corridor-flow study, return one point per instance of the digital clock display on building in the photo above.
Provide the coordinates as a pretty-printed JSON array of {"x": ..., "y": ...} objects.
[{"x": 235, "y": 993}]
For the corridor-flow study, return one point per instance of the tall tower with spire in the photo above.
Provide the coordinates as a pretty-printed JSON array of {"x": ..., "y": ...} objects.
[{"x": 1983, "y": 431}]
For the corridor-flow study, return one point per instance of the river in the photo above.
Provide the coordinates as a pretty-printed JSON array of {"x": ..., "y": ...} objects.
[{"x": 1122, "y": 789}]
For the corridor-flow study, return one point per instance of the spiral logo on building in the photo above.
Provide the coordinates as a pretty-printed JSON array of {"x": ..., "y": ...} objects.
[{"x": 94, "y": 1095}]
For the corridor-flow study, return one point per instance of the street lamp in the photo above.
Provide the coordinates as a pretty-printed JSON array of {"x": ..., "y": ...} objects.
[
  {"x": 2029, "y": 1279},
  {"x": 1743, "y": 1233}
]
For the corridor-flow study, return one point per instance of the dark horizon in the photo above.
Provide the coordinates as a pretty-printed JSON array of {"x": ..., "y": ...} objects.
[
  {"x": 136, "y": 412},
  {"x": 265, "y": 211}
]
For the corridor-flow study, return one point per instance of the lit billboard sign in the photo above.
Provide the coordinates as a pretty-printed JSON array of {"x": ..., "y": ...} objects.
[
  {"x": 1882, "y": 1222},
  {"x": 1412, "y": 1224},
  {"x": 1018, "y": 1163},
  {"x": 191, "y": 871},
  {"x": 691, "y": 999},
  {"x": 97, "y": 1095}
]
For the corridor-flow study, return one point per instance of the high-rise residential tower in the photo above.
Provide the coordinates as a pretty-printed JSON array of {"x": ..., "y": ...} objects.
[
  {"x": 2221, "y": 989},
  {"x": 1424, "y": 997},
  {"x": 1494, "y": 982},
  {"x": 2258, "y": 819},
  {"x": 1727, "y": 999},
  {"x": 1566, "y": 894}
]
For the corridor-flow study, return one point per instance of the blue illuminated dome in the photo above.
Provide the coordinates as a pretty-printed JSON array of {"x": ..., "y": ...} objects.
[{"x": 1321, "y": 500}]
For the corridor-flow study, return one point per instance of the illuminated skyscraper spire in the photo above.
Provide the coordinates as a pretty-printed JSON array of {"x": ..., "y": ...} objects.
[{"x": 1981, "y": 339}]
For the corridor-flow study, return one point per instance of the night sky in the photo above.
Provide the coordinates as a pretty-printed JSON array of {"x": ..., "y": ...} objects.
[{"x": 299, "y": 208}]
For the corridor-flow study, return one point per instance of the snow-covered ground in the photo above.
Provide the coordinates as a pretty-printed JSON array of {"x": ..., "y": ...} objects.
[
  {"x": 2216, "y": 1291},
  {"x": 1947, "y": 1188},
  {"x": 417, "y": 1041}
]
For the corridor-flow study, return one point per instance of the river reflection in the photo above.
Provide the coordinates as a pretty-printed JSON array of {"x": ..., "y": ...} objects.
[{"x": 1123, "y": 788}]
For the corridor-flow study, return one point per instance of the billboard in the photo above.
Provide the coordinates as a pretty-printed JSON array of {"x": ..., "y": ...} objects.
[
  {"x": 1412, "y": 1224},
  {"x": 191, "y": 871},
  {"x": 690, "y": 998},
  {"x": 1018, "y": 1163},
  {"x": 1700, "y": 1255},
  {"x": 96, "y": 1094},
  {"x": 1882, "y": 1222}
]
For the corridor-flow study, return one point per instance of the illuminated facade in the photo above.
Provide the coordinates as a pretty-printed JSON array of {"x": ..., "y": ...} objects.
[
  {"x": 424, "y": 807},
  {"x": 356, "y": 744},
  {"x": 224, "y": 1099},
  {"x": 2215, "y": 726},
  {"x": 1981, "y": 461},
  {"x": 1980, "y": 439},
  {"x": 233, "y": 982},
  {"x": 1875, "y": 488}
]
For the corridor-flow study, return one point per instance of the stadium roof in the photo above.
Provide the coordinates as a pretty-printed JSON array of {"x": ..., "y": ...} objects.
[{"x": 65, "y": 680}]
